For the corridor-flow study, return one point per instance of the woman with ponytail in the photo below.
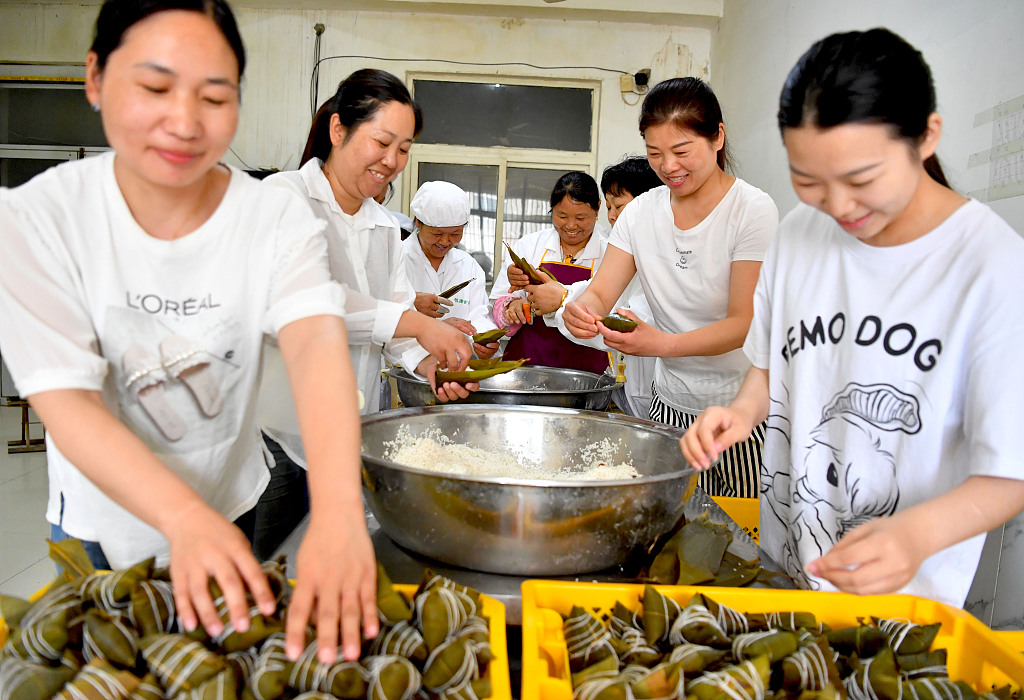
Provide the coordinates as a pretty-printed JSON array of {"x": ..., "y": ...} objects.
[
  {"x": 885, "y": 317},
  {"x": 358, "y": 144},
  {"x": 696, "y": 245}
]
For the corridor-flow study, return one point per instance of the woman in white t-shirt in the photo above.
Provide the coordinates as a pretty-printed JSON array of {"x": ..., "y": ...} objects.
[
  {"x": 696, "y": 245},
  {"x": 887, "y": 319},
  {"x": 142, "y": 283}
]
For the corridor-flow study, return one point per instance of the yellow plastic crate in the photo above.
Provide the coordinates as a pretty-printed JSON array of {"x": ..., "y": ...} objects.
[
  {"x": 493, "y": 610},
  {"x": 745, "y": 511},
  {"x": 976, "y": 654},
  {"x": 1014, "y": 639}
]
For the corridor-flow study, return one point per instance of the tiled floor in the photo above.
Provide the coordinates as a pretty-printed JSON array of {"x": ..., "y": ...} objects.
[{"x": 24, "y": 566}]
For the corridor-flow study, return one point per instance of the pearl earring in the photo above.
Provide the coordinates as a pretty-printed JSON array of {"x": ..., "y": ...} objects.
[{"x": 96, "y": 106}]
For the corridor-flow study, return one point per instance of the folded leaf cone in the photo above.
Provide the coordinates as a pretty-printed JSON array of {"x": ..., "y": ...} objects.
[
  {"x": 98, "y": 680},
  {"x": 391, "y": 678},
  {"x": 475, "y": 375},
  {"x": 587, "y": 640},
  {"x": 493, "y": 335},
  {"x": 21, "y": 679},
  {"x": 178, "y": 662}
]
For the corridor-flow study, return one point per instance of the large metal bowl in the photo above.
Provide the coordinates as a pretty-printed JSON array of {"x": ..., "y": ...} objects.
[
  {"x": 530, "y": 385},
  {"x": 526, "y": 527}
]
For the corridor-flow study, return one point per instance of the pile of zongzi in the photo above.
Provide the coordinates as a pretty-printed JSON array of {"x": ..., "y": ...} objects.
[
  {"x": 707, "y": 651},
  {"x": 116, "y": 637}
]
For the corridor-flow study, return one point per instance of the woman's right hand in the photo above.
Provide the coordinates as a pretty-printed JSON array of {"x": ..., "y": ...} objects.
[
  {"x": 204, "y": 545},
  {"x": 447, "y": 344},
  {"x": 712, "y": 433},
  {"x": 579, "y": 320},
  {"x": 516, "y": 278},
  {"x": 432, "y": 305}
]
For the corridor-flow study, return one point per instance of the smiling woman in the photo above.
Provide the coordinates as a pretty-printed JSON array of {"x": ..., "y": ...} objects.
[
  {"x": 358, "y": 143},
  {"x": 893, "y": 420},
  {"x": 696, "y": 245},
  {"x": 146, "y": 280}
]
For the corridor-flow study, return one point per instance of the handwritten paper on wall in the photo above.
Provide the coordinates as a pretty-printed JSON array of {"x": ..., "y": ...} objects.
[{"x": 1005, "y": 159}]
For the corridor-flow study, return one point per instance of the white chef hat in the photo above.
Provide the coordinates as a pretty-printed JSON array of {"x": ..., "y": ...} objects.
[{"x": 440, "y": 204}]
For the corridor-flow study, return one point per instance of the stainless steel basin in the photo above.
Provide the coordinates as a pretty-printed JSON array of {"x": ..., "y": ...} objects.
[
  {"x": 530, "y": 385},
  {"x": 526, "y": 527}
]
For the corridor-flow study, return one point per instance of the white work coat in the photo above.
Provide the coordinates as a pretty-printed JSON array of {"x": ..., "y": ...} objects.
[
  {"x": 365, "y": 253},
  {"x": 471, "y": 302}
]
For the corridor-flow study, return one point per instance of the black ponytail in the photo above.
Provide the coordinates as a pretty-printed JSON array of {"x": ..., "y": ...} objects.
[
  {"x": 118, "y": 16},
  {"x": 872, "y": 77},
  {"x": 357, "y": 100}
]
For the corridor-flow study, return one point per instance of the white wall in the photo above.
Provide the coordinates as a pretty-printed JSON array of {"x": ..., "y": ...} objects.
[
  {"x": 975, "y": 51},
  {"x": 275, "y": 102}
]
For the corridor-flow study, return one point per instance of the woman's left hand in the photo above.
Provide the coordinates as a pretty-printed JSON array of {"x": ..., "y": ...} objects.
[
  {"x": 485, "y": 352},
  {"x": 644, "y": 341},
  {"x": 879, "y": 556},
  {"x": 447, "y": 391},
  {"x": 336, "y": 582},
  {"x": 545, "y": 298}
]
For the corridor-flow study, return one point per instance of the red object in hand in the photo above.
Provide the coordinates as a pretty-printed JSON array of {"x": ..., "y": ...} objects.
[{"x": 529, "y": 314}]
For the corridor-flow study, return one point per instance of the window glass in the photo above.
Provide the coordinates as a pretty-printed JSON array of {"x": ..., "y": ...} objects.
[
  {"x": 57, "y": 115},
  {"x": 497, "y": 114},
  {"x": 527, "y": 206},
  {"x": 481, "y": 182},
  {"x": 17, "y": 171}
]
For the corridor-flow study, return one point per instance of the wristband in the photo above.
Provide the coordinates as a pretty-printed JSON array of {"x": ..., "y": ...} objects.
[{"x": 565, "y": 295}]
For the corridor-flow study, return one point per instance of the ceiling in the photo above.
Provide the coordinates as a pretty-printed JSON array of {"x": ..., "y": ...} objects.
[{"x": 675, "y": 12}]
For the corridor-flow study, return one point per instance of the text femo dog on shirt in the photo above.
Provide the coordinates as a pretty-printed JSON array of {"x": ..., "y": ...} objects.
[{"x": 897, "y": 339}]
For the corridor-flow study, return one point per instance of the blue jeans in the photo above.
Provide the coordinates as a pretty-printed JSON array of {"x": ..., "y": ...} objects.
[
  {"x": 283, "y": 505},
  {"x": 93, "y": 549}
]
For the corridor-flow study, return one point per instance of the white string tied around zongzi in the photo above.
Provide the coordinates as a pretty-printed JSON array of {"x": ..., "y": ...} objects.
[
  {"x": 896, "y": 630},
  {"x": 689, "y": 617},
  {"x": 746, "y": 684},
  {"x": 585, "y": 636},
  {"x": 375, "y": 664},
  {"x": 741, "y": 642},
  {"x": 811, "y": 665}
]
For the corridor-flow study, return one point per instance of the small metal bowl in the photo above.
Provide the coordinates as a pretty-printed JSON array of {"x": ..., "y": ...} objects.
[
  {"x": 530, "y": 385},
  {"x": 526, "y": 527}
]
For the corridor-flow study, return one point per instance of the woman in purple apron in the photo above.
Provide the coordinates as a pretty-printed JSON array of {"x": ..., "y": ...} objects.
[{"x": 570, "y": 253}]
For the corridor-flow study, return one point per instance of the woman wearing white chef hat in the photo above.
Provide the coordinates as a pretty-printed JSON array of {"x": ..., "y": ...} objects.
[{"x": 434, "y": 264}]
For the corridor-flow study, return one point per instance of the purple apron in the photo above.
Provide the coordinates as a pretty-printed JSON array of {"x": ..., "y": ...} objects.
[{"x": 544, "y": 345}]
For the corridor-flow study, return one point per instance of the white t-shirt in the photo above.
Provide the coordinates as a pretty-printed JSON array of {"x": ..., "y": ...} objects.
[
  {"x": 685, "y": 276},
  {"x": 87, "y": 290},
  {"x": 365, "y": 255},
  {"x": 457, "y": 266},
  {"x": 893, "y": 377}
]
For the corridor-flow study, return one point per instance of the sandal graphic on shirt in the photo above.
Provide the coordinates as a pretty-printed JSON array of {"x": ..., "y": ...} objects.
[
  {"x": 185, "y": 361},
  {"x": 144, "y": 379}
]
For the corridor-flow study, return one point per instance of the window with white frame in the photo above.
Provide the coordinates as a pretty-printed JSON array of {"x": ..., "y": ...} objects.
[
  {"x": 44, "y": 120},
  {"x": 506, "y": 141}
]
